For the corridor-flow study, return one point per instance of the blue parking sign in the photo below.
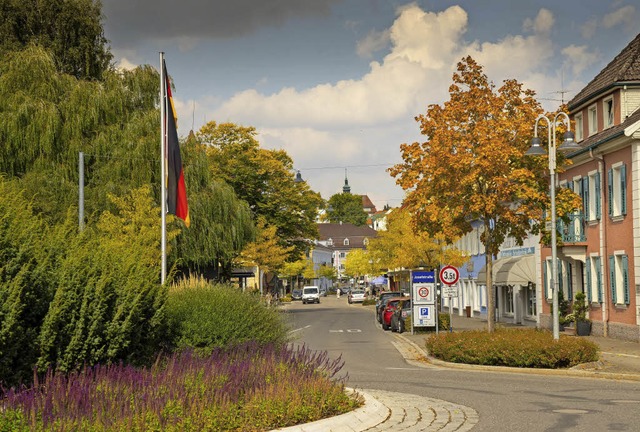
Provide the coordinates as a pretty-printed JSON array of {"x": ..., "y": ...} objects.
[{"x": 424, "y": 312}]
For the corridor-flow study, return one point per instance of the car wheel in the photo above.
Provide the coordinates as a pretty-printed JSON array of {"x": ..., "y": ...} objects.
[
  {"x": 385, "y": 327},
  {"x": 393, "y": 327},
  {"x": 400, "y": 326}
]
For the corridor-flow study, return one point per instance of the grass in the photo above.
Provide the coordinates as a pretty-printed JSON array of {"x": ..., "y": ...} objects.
[{"x": 530, "y": 348}]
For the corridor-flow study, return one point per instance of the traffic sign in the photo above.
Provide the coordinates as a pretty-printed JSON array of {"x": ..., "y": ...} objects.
[
  {"x": 423, "y": 293},
  {"x": 449, "y": 275}
]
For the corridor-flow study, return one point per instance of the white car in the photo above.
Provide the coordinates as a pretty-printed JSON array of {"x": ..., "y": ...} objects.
[
  {"x": 356, "y": 296},
  {"x": 310, "y": 294}
]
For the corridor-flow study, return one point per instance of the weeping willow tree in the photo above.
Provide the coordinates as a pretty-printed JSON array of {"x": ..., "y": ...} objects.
[
  {"x": 71, "y": 30},
  {"x": 221, "y": 223}
]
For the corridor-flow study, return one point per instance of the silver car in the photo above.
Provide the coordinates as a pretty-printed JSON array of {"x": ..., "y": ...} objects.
[{"x": 356, "y": 296}]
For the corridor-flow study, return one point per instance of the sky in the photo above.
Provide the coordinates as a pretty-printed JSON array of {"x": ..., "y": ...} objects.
[{"x": 337, "y": 84}]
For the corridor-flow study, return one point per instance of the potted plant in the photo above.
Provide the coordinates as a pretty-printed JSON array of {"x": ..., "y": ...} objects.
[{"x": 580, "y": 307}]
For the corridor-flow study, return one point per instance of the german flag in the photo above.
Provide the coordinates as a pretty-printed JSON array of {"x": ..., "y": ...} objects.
[{"x": 176, "y": 189}]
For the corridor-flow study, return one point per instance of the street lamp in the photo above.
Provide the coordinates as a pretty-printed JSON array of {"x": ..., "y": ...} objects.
[{"x": 536, "y": 149}]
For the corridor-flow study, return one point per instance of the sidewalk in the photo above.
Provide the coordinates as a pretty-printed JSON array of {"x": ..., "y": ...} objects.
[{"x": 619, "y": 359}]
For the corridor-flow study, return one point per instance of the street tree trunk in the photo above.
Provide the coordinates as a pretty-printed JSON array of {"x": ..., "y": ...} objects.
[{"x": 491, "y": 302}]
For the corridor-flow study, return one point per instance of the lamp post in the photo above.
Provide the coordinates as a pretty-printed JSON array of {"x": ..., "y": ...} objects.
[{"x": 536, "y": 149}]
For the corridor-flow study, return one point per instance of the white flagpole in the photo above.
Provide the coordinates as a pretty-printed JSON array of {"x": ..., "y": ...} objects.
[{"x": 163, "y": 174}]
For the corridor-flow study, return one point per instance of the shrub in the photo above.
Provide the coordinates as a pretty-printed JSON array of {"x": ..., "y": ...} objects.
[
  {"x": 205, "y": 316},
  {"x": 369, "y": 302},
  {"x": 249, "y": 387},
  {"x": 444, "y": 321},
  {"x": 530, "y": 348}
]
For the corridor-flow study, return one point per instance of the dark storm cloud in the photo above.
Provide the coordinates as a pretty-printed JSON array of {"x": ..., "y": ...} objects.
[{"x": 128, "y": 21}]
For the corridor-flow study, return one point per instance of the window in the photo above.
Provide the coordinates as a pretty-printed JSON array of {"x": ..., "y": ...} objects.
[
  {"x": 619, "y": 278},
  {"x": 591, "y": 196},
  {"x": 346, "y": 242},
  {"x": 330, "y": 242},
  {"x": 562, "y": 280},
  {"x": 593, "y": 284},
  {"x": 342, "y": 254},
  {"x": 508, "y": 299},
  {"x": 579, "y": 127},
  {"x": 617, "y": 190},
  {"x": 608, "y": 112},
  {"x": 365, "y": 242},
  {"x": 593, "y": 120}
]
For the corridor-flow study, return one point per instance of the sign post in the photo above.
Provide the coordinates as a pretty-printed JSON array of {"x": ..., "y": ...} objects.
[
  {"x": 449, "y": 275},
  {"x": 423, "y": 290}
]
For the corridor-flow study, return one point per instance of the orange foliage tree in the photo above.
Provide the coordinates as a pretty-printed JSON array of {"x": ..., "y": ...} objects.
[{"x": 472, "y": 167}]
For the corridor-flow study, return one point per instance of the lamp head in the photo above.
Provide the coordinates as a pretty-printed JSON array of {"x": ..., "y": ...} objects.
[
  {"x": 569, "y": 143},
  {"x": 298, "y": 178},
  {"x": 536, "y": 148}
]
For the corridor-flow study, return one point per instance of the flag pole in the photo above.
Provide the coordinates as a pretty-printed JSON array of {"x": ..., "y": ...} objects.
[{"x": 163, "y": 174}]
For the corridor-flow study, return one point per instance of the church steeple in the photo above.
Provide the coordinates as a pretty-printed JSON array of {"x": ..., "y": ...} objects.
[{"x": 346, "y": 188}]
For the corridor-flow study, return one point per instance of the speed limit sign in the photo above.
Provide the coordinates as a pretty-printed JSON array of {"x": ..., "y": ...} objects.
[{"x": 449, "y": 275}]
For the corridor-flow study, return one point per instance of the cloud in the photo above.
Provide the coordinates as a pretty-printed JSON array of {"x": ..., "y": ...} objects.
[
  {"x": 541, "y": 24},
  {"x": 374, "y": 41},
  {"x": 589, "y": 28},
  {"x": 129, "y": 22},
  {"x": 624, "y": 16},
  {"x": 125, "y": 64},
  {"x": 578, "y": 58}
]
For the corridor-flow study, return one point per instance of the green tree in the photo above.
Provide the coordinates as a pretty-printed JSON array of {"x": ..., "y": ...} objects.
[
  {"x": 473, "y": 166},
  {"x": 71, "y": 30},
  {"x": 264, "y": 179},
  {"x": 347, "y": 208},
  {"x": 293, "y": 270}
]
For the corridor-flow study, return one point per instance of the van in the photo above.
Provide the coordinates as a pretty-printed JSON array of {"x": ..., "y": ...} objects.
[{"x": 310, "y": 294}]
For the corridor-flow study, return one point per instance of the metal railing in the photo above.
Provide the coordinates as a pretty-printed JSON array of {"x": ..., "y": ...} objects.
[{"x": 574, "y": 230}]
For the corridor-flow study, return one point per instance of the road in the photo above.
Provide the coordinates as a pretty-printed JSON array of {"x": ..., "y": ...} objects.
[{"x": 504, "y": 401}]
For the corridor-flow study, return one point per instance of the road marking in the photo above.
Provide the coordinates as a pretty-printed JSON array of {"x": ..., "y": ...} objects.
[
  {"x": 399, "y": 368},
  {"x": 298, "y": 329},
  {"x": 336, "y": 331},
  {"x": 348, "y": 331}
]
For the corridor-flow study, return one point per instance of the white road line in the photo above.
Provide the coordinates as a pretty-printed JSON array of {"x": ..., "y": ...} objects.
[{"x": 298, "y": 329}]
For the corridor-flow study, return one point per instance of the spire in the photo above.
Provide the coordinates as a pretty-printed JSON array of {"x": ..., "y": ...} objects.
[{"x": 346, "y": 188}]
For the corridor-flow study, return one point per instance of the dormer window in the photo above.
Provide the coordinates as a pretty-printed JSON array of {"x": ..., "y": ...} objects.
[
  {"x": 330, "y": 242},
  {"x": 346, "y": 242},
  {"x": 608, "y": 112},
  {"x": 579, "y": 127},
  {"x": 366, "y": 241},
  {"x": 593, "y": 120}
]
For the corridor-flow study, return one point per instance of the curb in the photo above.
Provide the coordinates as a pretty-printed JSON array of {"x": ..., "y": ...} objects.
[
  {"x": 575, "y": 371},
  {"x": 371, "y": 414}
]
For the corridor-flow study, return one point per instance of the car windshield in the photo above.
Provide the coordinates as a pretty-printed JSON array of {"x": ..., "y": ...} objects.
[
  {"x": 311, "y": 290},
  {"x": 357, "y": 292}
]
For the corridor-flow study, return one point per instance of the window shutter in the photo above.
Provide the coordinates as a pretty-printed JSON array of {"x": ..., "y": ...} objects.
[
  {"x": 588, "y": 277},
  {"x": 599, "y": 279},
  {"x": 623, "y": 188},
  {"x": 625, "y": 278},
  {"x": 585, "y": 197},
  {"x": 559, "y": 276},
  {"x": 598, "y": 203},
  {"x": 610, "y": 187},
  {"x": 545, "y": 281},
  {"x": 612, "y": 278},
  {"x": 569, "y": 282}
]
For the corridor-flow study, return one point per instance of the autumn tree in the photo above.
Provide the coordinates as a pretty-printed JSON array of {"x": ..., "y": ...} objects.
[
  {"x": 293, "y": 269},
  {"x": 265, "y": 252},
  {"x": 346, "y": 208},
  {"x": 264, "y": 179},
  {"x": 358, "y": 263},
  {"x": 401, "y": 245},
  {"x": 472, "y": 166}
]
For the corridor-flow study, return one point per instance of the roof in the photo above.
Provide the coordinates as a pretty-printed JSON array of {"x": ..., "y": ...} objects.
[
  {"x": 624, "y": 68},
  {"x": 368, "y": 204},
  {"x": 606, "y": 135},
  {"x": 337, "y": 232}
]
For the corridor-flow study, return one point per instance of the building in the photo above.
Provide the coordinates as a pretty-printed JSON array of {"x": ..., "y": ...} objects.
[
  {"x": 342, "y": 238},
  {"x": 600, "y": 253}
]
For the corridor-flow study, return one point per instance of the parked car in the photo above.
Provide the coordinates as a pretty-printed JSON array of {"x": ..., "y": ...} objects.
[
  {"x": 296, "y": 294},
  {"x": 323, "y": 292},
  {"x": 310, "y": 294},
  {"x": 356, "y": 296},
  {"x": 388, "y": 310},
  {"x": 382, "y": 301},
  {"x": 401, "y": 316}
]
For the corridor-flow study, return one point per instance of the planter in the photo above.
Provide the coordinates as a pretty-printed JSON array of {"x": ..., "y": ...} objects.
[{"x": 583, "y": 328}]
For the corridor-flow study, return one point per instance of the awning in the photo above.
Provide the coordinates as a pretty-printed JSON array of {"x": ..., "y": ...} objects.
[{"x": 511, "y": 271}]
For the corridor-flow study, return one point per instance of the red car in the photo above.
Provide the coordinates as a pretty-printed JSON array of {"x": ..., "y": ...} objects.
[{"x": 389, "y": 308}]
